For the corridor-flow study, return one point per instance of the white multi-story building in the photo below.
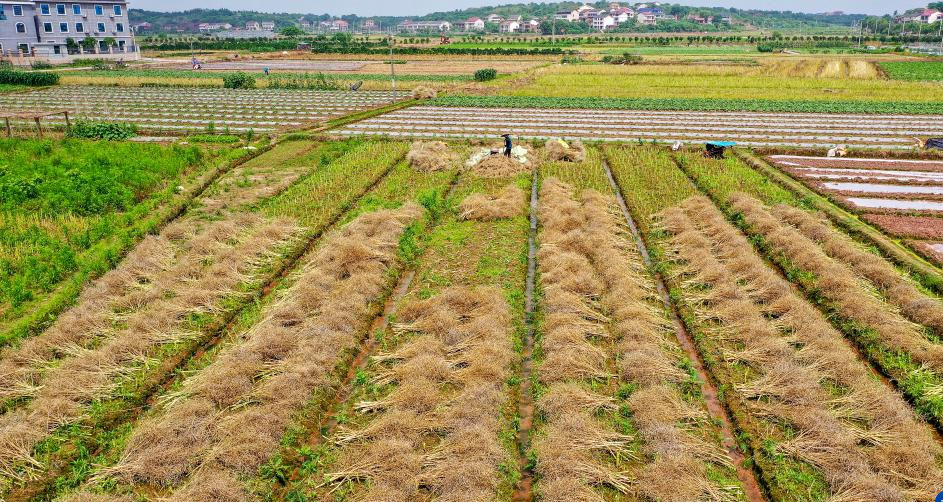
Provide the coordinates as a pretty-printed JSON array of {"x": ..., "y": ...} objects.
[
  {"x": 62, "y": 31},
  {"x": 414, "y": 26},
  {"x": 474, "y": 24}
]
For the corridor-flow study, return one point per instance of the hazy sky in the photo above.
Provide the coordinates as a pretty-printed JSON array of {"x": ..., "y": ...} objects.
[{"x": 414, "y": 7}]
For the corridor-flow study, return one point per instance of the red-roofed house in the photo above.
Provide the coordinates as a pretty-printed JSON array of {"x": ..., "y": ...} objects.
[{"x": 474, "y": 24}]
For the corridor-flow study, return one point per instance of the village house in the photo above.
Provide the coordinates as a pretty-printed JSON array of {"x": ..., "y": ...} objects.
[
  {"x": 370, "y": 25},
  {"x": 268, "y": 25},
  {"x": 646, "y": 16},
  {"x": 214, "y": 26},
  {"x": 532, "y": 26},
  {"x": 510, "y": 25},
  {"x": 696, "y": 18},
  {"x": 416, "y": 26},
  {"x": 474, "y": 24},
  {"x": 602, "y": 21},
  {"x": 567, "y": 15},
  {"x": 253, "y": 26},
  {"x": 930, "y": 16},
  {"x": 54, "y": 31},
  {"x": 494, "y": 18}
]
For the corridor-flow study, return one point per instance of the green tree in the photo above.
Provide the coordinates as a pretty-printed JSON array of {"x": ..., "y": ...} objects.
[
  {"x": 342, "y": 38},
  {"x": 935, "y": 5},
  {"x": 291, "y": 32},
  {"x": 88, "y": 43}
]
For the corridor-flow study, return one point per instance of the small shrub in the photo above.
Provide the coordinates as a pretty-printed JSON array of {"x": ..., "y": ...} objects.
[
  {"x": 764, "y": 48},
  {"x": 28, "y": 78},
  {"x": 111, "y": 131},
  {"x": 41, "y": 65},
  {"x": 239, "y": 80},
  {"x": 486, "y": 74}
]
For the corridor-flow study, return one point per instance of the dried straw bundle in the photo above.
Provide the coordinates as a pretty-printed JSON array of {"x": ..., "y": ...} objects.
[
  {"x": 424, "y": 92},
  {"x": 431, "y": 156},
  {"x": 560, "y": 151},
  {"x": 507, "y": 204}
]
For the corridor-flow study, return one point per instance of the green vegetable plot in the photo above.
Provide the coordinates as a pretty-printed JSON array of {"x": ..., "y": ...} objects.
[{"x": 913, "y": 70}]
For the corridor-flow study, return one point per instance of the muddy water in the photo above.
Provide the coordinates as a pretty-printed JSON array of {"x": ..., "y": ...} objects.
[
  {"x": 714, "y": 406},
  {"x": 524, "y": 490},
  {"x": 882, "y": 188},
  {"x": 910, "y": 205}
]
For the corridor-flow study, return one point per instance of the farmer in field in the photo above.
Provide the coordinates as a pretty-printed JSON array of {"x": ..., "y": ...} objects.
[{"x": 507, "y": 144}]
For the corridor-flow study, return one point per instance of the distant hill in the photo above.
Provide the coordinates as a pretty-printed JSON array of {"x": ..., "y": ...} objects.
[{"x": 187, "y": 21}]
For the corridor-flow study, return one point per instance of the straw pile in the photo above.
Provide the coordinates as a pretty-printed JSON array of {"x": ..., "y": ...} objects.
[
  {"x": 489, "y": 164},
  {"x": 481, "y": 207},
  {"x": 561, "y": 151},
  {"x": 423, "y": 92},
  {"x": 431, "y": 156},
  {"x": 866, "y": 442}
]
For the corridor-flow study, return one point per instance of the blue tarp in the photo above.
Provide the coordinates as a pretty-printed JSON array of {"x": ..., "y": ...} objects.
[{"x": 722, "y": 144}]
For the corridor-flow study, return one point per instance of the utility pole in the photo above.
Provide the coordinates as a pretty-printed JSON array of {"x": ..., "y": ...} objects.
[
  {"x": 941, "y": 36},
  {"x": 860, "y": 32},
  {"x": 553, "y": 31},
  {"x": 392, "y": 67}
]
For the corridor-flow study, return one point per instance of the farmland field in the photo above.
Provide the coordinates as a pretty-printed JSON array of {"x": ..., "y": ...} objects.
[
  {"x": 351, "y": 296},
  {"x": 724, "y": 82},
  {"x": 758, "y": 129},
  {"x": 327, "y": 322},
  {"x": 914, "y": 70},
  {"x": 187, "y": 110}
]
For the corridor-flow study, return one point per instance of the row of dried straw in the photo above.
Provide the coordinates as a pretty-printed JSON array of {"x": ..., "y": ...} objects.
[
  {"x": 893, "y": 284},
  {"x": 596, "y": 288},
  {"x": 439, "y": 427},
  {"x": 839, "y": 283},
  {"x": 865, "y": 441},
  {"x": 228, "y": 419},
  {"x": 93, "y": 373}
]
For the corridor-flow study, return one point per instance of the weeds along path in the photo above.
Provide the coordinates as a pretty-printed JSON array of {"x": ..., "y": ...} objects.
[
  {"x": 146, "y": 338},
  {"x": 432, "y": 413},
  {"x": 871, "y": 302},
  {"x": 15, "y": 326},
  {"x": 618, "y": 412},
  {"x": 809, "y": 408}
]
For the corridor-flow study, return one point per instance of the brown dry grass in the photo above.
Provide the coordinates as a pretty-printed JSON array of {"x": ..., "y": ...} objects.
[
  {"x": 857, "y": 440},
  {"x": 839, "y": 283},
  {"x": 230, "y": 417},
  {"x": 507, "y": 204},
  {"x": 894, "y": 285},
  {"x": 444, "y": 412},
  {"x": 431, "y": 156},
  {"x": 558, "y": 150}
]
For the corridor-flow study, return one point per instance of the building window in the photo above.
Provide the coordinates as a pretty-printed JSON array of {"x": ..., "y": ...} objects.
[
  {"x": 56, "y": 49},
  {"x": 20, "y": 28},
  {"x": 17, "y": 10},
  {"x": 24, "y": 48},
  {"x": 77, "y": 9},
  {"x": 44, "y": 9},
  {"x": 79, "y": 27},
  {"x": 117, "y": 10},
  {"x": 60, "y": 9},
  {"x": 119, "y": 27},
  {"x": 99, "y": 11},
  {"x": 63, "y": 27},
  {"x": 101, "y": 27},
  {"x": 47, "y": 27}
]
